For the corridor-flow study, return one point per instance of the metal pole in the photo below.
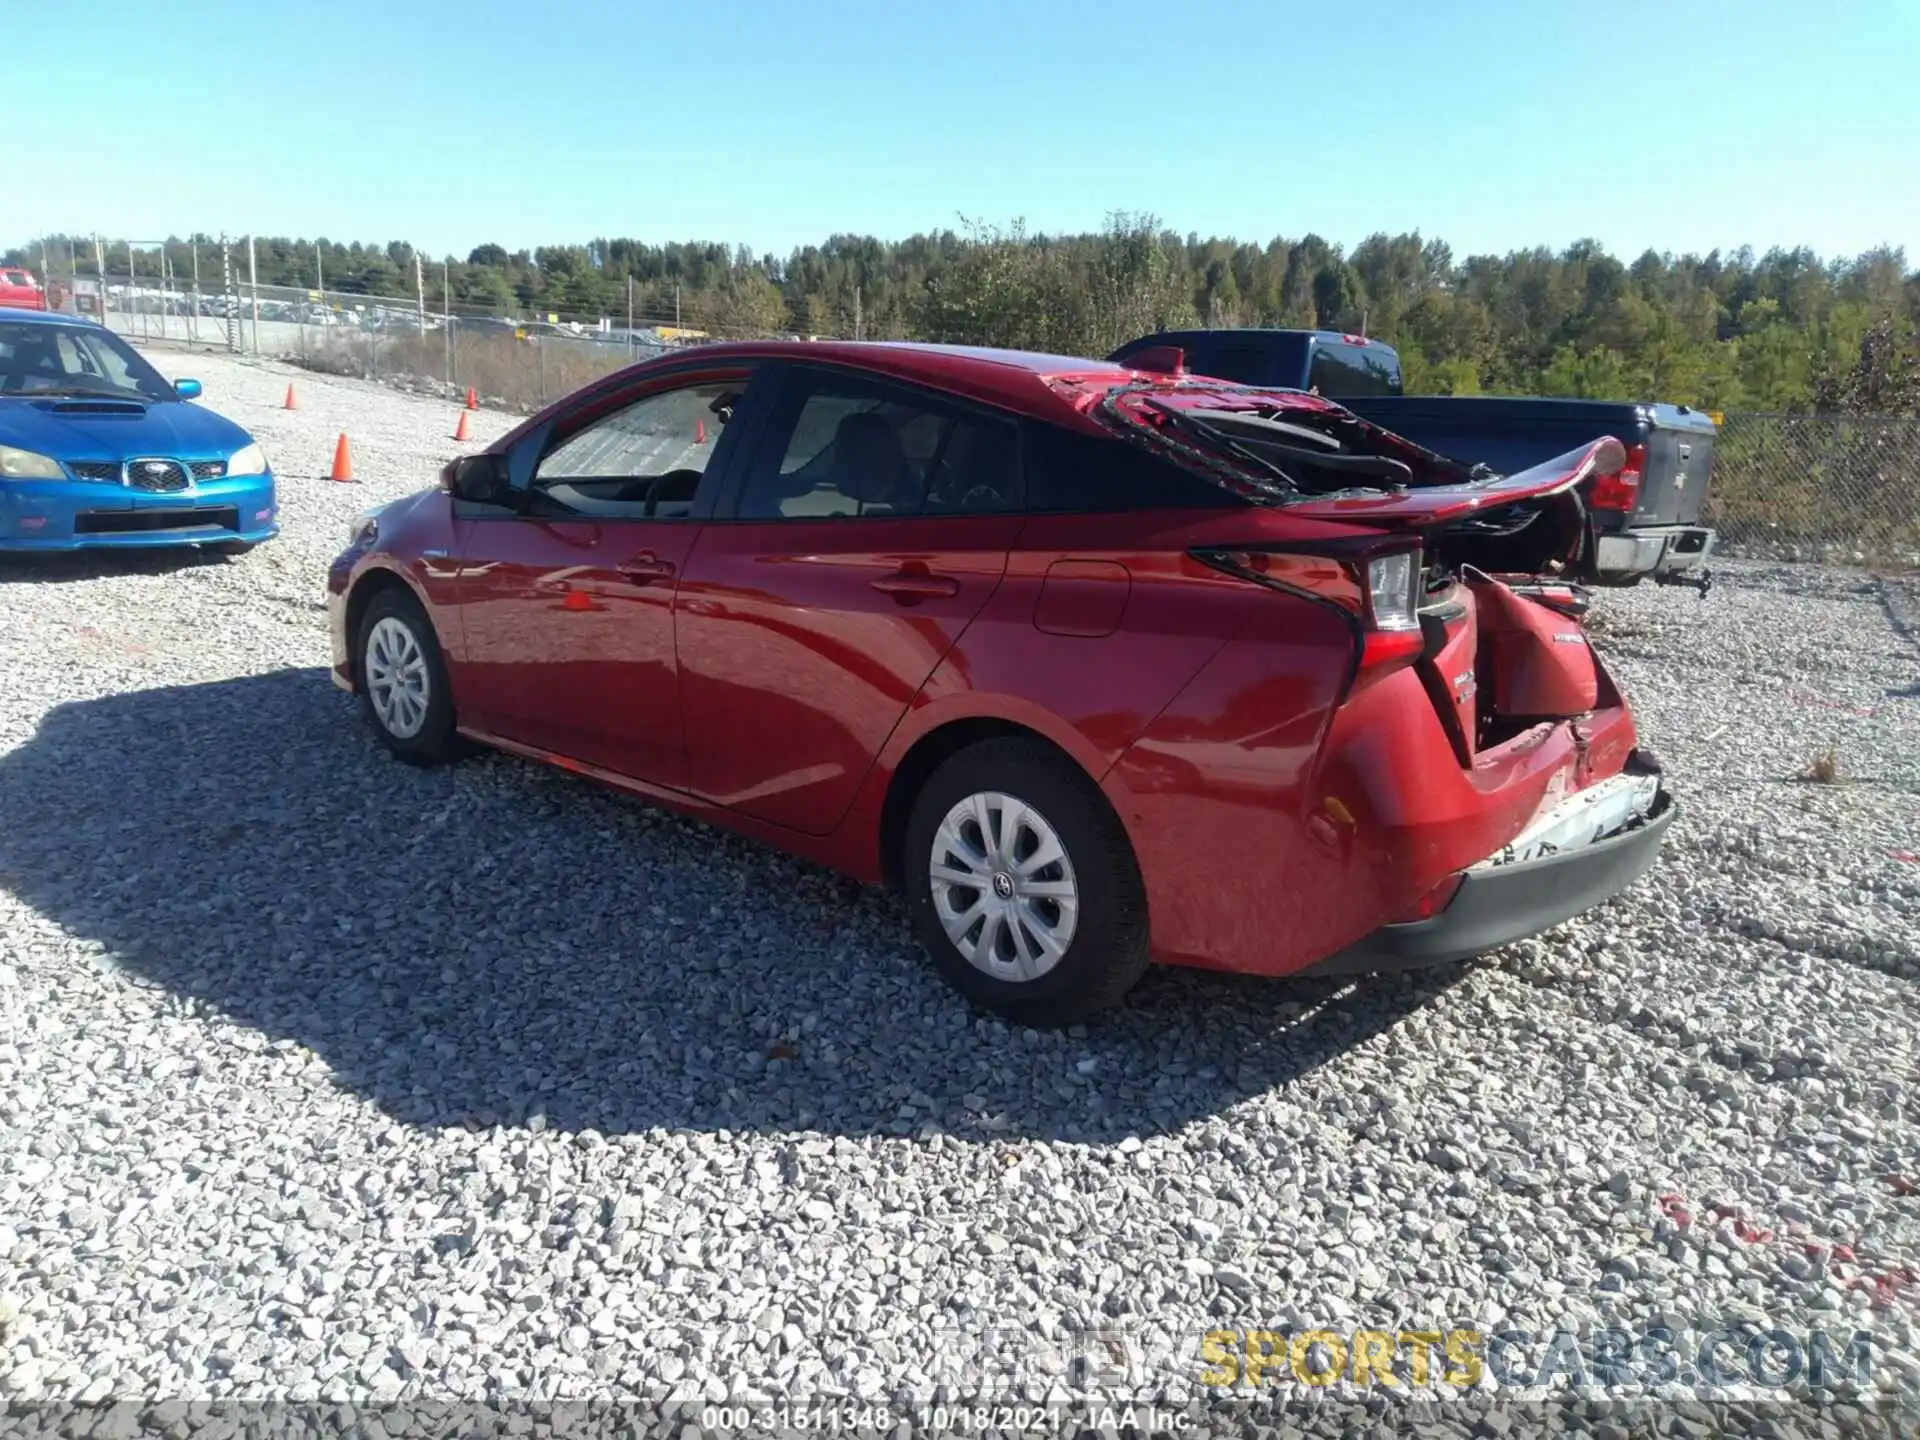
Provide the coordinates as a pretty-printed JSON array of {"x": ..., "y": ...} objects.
[
  {"x": 193, "y": 315},
  {"x": 133, "y": 289},
  {"x": 230, "y": 302},
  {"x": 253, "y": 286},
  {"x": 629, "y": 317},
  {"x": 420, "y": 289},
  {"x": 100, "y": 264},
  {"x": 446, "y": 323}
]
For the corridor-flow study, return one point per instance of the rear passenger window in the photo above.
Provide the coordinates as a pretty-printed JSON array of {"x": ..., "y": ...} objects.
[
  {"x": 843, "y": 448},
  {"x": 1073, "y": 473}
]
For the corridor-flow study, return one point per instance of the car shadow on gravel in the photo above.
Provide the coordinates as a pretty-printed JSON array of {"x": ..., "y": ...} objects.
[
  {"x": 67, "y": 566},
  {"x": 495, "y": 943}
]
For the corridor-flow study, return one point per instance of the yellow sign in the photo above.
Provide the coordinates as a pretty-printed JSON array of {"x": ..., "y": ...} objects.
[
  {"x": 553, "y": 319},
  {"x": 1719, "y": 417}
]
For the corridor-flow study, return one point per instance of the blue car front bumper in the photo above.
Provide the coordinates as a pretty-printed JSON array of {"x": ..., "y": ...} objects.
[{"x": 83, "y": 515}]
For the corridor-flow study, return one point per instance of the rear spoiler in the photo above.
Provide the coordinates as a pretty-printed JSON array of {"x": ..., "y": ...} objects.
[{"x": 1422, "y": 507}]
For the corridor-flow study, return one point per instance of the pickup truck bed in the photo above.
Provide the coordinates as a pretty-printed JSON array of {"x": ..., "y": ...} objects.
[
  {"x": 1645, "y": 521},
  {"x": 1671, "y": 446}
]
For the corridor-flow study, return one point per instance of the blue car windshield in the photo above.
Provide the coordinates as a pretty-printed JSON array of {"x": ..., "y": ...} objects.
[{"x": 41, "y": 359}]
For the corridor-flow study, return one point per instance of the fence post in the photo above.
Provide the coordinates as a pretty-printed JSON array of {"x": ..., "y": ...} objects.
[{"x": 230, "y": 302}]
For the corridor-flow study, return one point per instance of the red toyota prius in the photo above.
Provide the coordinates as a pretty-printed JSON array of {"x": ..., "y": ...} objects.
[{"x": 1100, "y": 666}]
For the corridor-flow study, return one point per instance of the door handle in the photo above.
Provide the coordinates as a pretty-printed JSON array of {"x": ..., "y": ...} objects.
[
  {"x": 645, "y": 568},
  {"x": 913, "y": 581}
]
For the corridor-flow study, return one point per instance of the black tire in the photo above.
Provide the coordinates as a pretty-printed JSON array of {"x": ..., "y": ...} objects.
[
  {"x": 233, "y": 548},
  {"x": 1107, "y": 951},
  {"x": 433, "y": 742}
]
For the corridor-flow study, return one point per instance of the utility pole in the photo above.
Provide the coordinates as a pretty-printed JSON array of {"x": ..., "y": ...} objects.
[
  {"x": 629, "y": 317},
  {"x": 676, "y": 304},
  {"x": 859, "y": 322},
  {"x": 100, "y": 264},
  {"x": 420, "y": 287}
]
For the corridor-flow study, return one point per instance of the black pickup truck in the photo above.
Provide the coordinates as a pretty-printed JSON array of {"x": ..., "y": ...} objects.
[{"x": 1643, "y": 521}]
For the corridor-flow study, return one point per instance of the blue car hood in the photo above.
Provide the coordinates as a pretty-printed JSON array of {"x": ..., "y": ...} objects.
[{"x": 75, "y": 429}]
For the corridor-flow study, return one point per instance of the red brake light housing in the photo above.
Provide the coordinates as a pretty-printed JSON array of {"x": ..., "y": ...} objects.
[{"x": 1620, "y": 491}]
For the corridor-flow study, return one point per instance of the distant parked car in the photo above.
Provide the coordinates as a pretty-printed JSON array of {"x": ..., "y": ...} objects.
[
  {"x": 1098, "y": 666},
  {"x": 97, "y": 449},
  {"x": 19, "y": 290}
]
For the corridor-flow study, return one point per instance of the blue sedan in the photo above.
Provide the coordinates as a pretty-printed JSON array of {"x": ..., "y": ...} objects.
[{"x": 97, "y": 449}]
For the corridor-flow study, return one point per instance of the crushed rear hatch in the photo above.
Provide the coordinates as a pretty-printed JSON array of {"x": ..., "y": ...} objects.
[{"x": 1291, "y": 450}]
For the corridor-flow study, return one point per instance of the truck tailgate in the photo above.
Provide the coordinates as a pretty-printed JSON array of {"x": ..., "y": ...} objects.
[{"x": 1679, "y": 453}]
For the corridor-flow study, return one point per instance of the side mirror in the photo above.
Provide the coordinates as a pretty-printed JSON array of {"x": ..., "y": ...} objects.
[
  {"x": 481, "y": 479},
  {"x": 187, "y": 389}
]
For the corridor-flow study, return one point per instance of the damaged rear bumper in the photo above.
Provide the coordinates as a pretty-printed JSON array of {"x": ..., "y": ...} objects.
[{"x": 1505, "y": 899}]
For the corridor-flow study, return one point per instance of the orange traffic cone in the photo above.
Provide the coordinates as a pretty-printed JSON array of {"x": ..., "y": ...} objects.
[
  {"x": 473, "y": 400},
  {"x": 342, "y": 460},
  {"x": 463, "y": 431},
  {"x": 290, "y": 403}
]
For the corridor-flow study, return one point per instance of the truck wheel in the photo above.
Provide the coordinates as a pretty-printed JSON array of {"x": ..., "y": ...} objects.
[{"x": 1023, "y": 886}]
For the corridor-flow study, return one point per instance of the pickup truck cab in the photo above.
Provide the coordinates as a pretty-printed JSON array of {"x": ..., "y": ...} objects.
[{"x": 1644, "y": 520}]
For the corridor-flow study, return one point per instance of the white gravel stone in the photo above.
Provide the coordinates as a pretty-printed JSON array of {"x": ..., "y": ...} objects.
[{"x": 320, "y": 1075}]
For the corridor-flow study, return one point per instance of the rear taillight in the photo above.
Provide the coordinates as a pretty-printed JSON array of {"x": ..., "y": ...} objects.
[{"x": 1621, "y": 490}]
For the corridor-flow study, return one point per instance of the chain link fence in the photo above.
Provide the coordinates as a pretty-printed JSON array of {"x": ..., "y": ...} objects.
[{"x": 1842, "y": 489}]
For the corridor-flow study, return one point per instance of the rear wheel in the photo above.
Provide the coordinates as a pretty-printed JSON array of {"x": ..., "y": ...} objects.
[
  {"x": 403, "y": 680},
  {"x": 1023, "y": 886}
]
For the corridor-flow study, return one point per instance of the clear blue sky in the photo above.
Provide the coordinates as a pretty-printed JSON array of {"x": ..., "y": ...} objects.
[{"x": 1681, "y": 125}]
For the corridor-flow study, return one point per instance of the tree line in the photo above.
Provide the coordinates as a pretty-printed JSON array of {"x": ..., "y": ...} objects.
[{"x": 1781, "y": 331}]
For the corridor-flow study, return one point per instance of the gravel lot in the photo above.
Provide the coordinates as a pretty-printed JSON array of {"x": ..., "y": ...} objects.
[{"x": 322, "y": 1077}]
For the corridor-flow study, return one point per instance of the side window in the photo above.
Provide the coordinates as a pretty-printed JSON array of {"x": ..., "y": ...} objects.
[
  {"x": 1343, "y": 369},
  {"x": 1074, "y": 473},
  {"x": 644, "y": 461},
  {"x": 840, "y": 448},
  {"x": 1242, "y": 364}
]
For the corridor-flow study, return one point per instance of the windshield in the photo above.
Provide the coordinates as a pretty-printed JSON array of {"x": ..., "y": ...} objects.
[{"x": 40, "y": 359}]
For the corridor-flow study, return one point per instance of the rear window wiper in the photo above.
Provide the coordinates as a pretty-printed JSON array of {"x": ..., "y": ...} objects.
[
  {"x": 1222, "y": 440},
  {"x": 1397, "y": 473}
]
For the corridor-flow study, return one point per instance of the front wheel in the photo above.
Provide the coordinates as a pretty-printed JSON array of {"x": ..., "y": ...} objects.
[
  {"x": 1023, "y": 886},
  {"x": 403, "y": 680}
]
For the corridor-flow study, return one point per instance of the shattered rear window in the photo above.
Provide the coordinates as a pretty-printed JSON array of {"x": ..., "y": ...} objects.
[{"x": 1267, "y": 446}]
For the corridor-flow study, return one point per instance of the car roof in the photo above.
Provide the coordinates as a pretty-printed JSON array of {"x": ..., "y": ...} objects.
[
  {"x": 46, "y": 317},
  {"x": 1012, "y": 379}
]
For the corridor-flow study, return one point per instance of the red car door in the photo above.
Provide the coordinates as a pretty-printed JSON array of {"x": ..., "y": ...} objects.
[
  {"x": 871, "y": 525},
  {"x": 567, "y": 603}
]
